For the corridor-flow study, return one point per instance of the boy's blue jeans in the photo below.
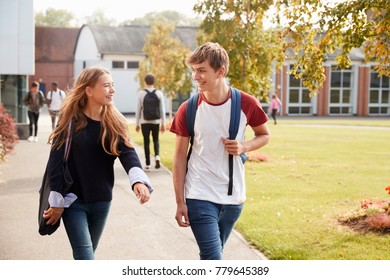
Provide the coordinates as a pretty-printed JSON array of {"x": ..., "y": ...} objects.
[
  {"x": 84, "y": 224},
  {"x": 212, "y": 224}
]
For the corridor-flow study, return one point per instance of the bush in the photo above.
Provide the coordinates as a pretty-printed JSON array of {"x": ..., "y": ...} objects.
[
  {"x": 8, "y": 133},
  {"x": 373, "y": 215}
]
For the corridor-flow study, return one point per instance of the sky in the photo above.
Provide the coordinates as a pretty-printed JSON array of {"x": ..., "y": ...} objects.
[{"x": 120, "y": 10}]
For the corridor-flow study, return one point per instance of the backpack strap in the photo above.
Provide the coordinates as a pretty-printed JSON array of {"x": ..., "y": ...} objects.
[
  {"x": 235, "y": 115},
  {"x": 233, "y": 129},
  {"x": 41, "y": 98},
  {"x": 147, "y": 91},
  {"x": 235, "y": 118},
  {"x": 68, "y": 141},
  {"x": 191, "y": 113},
  {"x": 190, "y": 119}
]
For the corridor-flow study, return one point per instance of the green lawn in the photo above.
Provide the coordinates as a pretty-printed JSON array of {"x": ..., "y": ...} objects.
[{"x": 313, "y": 175}]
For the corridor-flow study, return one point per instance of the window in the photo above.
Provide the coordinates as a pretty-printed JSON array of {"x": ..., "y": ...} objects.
[
  {"x": 379, "y": 99},
  {"x": 118, "y": 65},
  {"x": 132, "y": 65},
  {"x": 299, "y": 100},
  {"x": 340, "y": 94}
]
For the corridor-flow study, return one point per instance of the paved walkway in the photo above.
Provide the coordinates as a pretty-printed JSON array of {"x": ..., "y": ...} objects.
[{"x": 133, "y": 231}]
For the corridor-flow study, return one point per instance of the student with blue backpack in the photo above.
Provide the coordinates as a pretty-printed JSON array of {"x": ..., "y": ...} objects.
[{"x": 209, "y": 178}]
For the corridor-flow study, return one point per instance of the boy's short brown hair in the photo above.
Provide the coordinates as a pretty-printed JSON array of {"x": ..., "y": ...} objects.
[
  {"x": 214, "y": 53},
  {"x": 34, "y": 84},
  {"x": 149, "y": 79}
]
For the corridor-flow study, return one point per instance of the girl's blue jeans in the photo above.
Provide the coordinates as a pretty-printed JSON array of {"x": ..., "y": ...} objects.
[
  {"x": 84, "y": 224},
  {"x": 212, "y": 224}
]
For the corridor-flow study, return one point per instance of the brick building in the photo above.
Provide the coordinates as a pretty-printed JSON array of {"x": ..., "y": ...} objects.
[{"x": 54, "y": 56}]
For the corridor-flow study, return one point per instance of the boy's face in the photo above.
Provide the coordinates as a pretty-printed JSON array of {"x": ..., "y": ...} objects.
[{"x": 205, "y": 76}]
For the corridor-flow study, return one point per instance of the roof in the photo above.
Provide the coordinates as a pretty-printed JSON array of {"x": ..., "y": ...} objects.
[
  {"x": 131, "y": 39},
  {"x": 53, "y": 44},
  {"x": 355, "y": 54}
]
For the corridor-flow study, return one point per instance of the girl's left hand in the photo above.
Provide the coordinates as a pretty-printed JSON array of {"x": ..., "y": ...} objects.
[{"x": 53, "y": 214}]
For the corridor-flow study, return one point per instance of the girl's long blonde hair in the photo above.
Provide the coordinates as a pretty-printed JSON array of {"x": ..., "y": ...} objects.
[{"x": 114, "y": 126}]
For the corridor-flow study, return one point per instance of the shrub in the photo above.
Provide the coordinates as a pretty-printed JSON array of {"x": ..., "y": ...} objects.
[
  {"x": 8, "y": 133},
  {"x": 378, "y": 222},
  {"x": 373, "y": 215},
  {"x": 255, "y": 156}
]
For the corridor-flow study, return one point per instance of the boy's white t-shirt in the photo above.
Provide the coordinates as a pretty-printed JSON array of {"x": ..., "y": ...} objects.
[
  {"x": 208, "y": 167},
  {"x": 56, "y": 98}
]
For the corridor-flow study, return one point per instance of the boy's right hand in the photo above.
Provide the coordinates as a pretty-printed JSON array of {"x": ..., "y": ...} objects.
[{"x": 182, "y": 215}]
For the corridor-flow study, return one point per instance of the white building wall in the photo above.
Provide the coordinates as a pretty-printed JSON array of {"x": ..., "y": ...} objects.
[
  {"x": 86, "y": 52},
  {"x": 126, "y": 88},
  {"x": 17, "y": 37},
  {"x": 126, "y": 85},
  {"x": 355, "y": 89}
]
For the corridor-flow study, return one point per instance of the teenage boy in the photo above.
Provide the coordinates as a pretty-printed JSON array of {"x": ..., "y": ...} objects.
[
  {"x": 54, "y": 100},
  {"x": 201, "y": 184}
]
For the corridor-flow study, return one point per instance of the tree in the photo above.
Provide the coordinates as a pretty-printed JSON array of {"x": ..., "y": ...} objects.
[
  {"x": 55, "y": 18},
  {"x": 165, "y": 58},
  {"x": 309, "y": 29},
  {"x": 317, "y": 28},
  {"x": 164, "y": 17},
  {"x": 99, "y": 18},
  {"x": 63, "y": 18},
  {"x": 253, "y": 51}
]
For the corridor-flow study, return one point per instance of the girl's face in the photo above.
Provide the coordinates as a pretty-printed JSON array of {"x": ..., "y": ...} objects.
[{"x": 103, "y": 92}]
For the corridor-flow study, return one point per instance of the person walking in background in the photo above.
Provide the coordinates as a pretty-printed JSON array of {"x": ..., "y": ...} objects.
[
  {"x": 34, "y": 100},
  {"x": 150, "y": 118},
  {"x": 42, "y": 85},
  {"x": 100, "y": 136},
  {"x": 201, "y": 183},
  {"x": 275, "y": 105},
  {"x": 54, "y": 100}
]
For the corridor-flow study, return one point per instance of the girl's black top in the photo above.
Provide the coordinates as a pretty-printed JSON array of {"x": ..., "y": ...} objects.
[{"x": 92, "y": 169}]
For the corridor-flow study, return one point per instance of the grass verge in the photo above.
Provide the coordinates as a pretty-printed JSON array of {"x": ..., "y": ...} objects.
[{"x": 313, "y": 175}]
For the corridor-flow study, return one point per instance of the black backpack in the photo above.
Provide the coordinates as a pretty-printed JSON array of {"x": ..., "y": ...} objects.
[{"x": 151, "y": 108}]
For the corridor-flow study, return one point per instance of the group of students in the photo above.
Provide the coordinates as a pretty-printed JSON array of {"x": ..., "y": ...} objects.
[
  {"x": 35, "y": 99},
  {"x": 200, "y": 182}
]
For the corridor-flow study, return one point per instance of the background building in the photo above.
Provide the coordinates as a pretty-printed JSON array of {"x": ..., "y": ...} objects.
[
  {"x": 17, "y": 48},
  {"x": 48, "y": 54},
  {"x": 119, "y": 49},
  {"x": 54, "y": 56},
  {"x": 357, "y": 91}
]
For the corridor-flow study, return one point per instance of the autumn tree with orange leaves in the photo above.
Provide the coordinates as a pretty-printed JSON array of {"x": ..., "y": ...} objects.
[{"x": 259, "y": 34}]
